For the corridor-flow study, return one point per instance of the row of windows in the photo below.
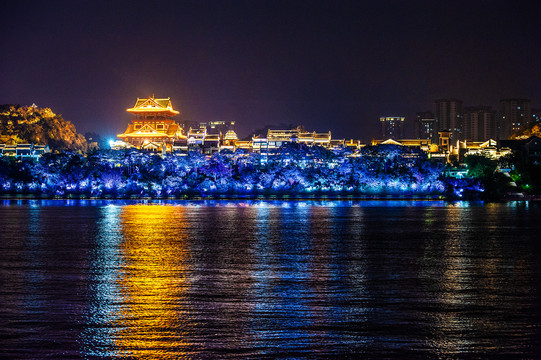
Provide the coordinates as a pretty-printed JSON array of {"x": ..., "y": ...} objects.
[{"x": 158, "y": 126}]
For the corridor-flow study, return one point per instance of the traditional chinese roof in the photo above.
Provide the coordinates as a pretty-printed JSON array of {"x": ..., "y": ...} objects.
[
  {"x": 231, "y": 135},
  {"x": 391, "y": 142},
  {"x": 151, "y": 104},
  {"x": 146, "y": 130}
]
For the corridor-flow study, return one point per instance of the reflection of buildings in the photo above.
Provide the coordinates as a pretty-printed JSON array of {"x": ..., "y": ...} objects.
[
  {"x": 154, "y": 282},
  {"x": 153, "y": 126}
]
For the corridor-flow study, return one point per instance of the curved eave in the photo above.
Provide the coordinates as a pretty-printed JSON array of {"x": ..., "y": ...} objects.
[
  {"x": 146, "y": 110},
  {"x": 144, "y": 135},
  {"x": 177, "y": 135}
]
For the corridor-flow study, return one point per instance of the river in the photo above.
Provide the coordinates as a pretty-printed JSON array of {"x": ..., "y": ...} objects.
[{"x": 269, "y": 279}]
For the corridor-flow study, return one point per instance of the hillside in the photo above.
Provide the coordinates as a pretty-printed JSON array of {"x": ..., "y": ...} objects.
[{"x": 30, "y": 124}]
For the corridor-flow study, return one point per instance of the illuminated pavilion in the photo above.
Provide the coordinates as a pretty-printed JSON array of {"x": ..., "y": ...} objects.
[{"x": 152, "y": 125}]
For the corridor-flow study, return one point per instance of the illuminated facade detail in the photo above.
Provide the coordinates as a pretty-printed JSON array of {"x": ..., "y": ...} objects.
[
  {"x": 197, "y": 136},
  {"x": 392, "y": 127},
  {"x": 244, "y": 144},
  {"x": 353, "y": 144},
  {"x": 277, "y": 138},
  {"x": 24, "y": 150},
  {"x": 153, "y": 126},
  {"x": 230, "y": 137},
  {"x": 423, "y": 144},
  {"x": 445, "y": 141},
  {"x": 229, "y": 141}
]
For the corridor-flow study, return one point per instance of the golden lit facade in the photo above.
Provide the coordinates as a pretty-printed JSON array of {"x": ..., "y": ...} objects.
[{"x": 152, "y": 126}]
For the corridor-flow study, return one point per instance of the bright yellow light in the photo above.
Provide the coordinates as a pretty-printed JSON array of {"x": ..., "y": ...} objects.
[{"x": 154, "y": 281}]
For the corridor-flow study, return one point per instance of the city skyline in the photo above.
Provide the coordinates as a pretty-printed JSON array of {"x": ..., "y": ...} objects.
[{"x": 337, "y": 67}]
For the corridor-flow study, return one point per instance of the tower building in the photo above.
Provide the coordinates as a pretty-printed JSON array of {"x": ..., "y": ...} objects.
[
  {"x": 152, "y": 126},
  {"x": 425, "y": 126},
  {"x": 515, "y": 114},
  {"x": 449, "y": 116},
  {"x": 392, "y": 127},
  {"x": 479, "y": 123}
]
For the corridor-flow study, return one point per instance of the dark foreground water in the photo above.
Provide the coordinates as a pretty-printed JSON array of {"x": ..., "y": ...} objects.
[{"x": 269, "y": 279}]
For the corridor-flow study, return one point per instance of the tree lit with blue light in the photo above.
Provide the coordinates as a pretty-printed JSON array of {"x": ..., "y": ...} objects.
[{"x": 292, "y": 169}]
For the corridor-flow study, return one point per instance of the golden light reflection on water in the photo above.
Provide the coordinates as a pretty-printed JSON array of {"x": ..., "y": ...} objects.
[{"x": 154, "y": 282}]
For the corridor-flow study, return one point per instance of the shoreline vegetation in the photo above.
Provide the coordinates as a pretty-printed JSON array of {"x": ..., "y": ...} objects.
[
  {"x": 77, "y": 170},
  {"x": 294, "y": 171}
]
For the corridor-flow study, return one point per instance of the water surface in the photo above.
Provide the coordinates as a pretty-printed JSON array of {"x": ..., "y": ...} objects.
[{"x": 256, "y": 279}]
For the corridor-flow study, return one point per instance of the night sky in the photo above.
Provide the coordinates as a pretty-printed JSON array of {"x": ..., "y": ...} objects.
[{"x": 328, "y": 65}]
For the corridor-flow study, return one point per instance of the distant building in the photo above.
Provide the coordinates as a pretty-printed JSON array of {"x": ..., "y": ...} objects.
[
  {"x": 449, "y": 116},
  {"x": 529, "y": 149},
  {"x": 479, "y": 123},
  {"x": 392, "y": 127},
  {"x": 422, "y": 144},
  {"x": 217, "y": 127},
  {"x": 444, "y": 141},
  {"x": 152, "y": 125},
  {"x": 24, "y": 150},
  {"x": 230, "y": 137},
  {"x": 278, "y": 138},
  {"x": 515, "y": 114},
  {"x": 425, "y": 126},
  {"x": 196, "y": 137},
  {"x": 536, "y": 116}
]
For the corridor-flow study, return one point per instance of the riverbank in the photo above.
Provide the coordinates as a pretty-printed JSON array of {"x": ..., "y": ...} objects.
[{"x": 295, "y": 197}]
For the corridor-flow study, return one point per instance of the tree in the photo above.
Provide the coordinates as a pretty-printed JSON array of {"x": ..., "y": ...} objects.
[{"x": 29, "y": 124}]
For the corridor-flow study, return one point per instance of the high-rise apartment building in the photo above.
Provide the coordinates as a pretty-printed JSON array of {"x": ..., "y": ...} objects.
[
  {"x": 515, "y": 114},
  {"x": 449, "y": 116},
  {"x": 536, "y": 116},
  {"x": 425, "y": 126},
  {"x": 392, "y": 127},
  {"x": 479, "y": 123}
]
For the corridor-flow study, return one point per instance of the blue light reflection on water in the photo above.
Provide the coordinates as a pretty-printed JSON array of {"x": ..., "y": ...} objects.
[
  {"x": 104, "y": 273},
  {"x": 271, "y": 278},
  {"x": 243, "y": 203}
]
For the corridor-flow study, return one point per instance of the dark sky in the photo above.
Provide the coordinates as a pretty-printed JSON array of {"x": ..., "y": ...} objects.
[{"x": 329, "y": 65}]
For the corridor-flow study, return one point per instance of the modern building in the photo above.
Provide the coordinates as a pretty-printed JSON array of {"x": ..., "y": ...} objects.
[
  {"x": 392, "y": 127},
  {"x": 536, "y": 116},
  {"x": 449, "y": 116},
  {"x": 479, "y": 123},
  {"x": 218, "y": 127},
  {"x": 425, "y": 126},
  {"x": 515, "y": 115},
  {"x": 152, "y": 125}
]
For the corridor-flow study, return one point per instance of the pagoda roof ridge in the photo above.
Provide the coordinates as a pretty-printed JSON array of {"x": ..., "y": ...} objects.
[{"x": 151, "y": 104}]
